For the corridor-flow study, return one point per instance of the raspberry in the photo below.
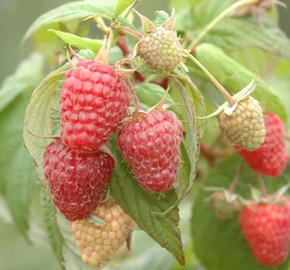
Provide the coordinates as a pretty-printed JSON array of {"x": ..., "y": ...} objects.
[
  {"x": 99, "y": 244},
  {"x": 93, "y": 102},
  {"x": 77, "y": 181},
  {"x": 266, "y": 228},
  {"x": 271, "y": 157},
  {"x": 151, "y": 146},
  {"x": 161, "y": 49},
  {"x": 244, "y": 126}
]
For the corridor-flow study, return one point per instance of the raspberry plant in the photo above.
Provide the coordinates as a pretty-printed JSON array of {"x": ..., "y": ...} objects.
[{"x": 127, "y": 131}]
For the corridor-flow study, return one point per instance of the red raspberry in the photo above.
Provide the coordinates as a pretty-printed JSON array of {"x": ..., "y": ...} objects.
[
  {"x": 93, "y": 102},
  {"x": 152, "y": 148},
  {"x": 77, "y": 181},
  {"x": 266, "y": 228},
  {"x": 271, "y": 157}
]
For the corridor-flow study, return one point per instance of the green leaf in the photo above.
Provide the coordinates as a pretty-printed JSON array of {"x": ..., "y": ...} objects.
[
  {"x": 17, "y": 178},
  {"x": 72, "y": 11},
  {"x": 235, "y": 34},
  {"x": 150, "y": 94},
  {"x": 78, "y": 42},
  {"x": 145, "y": 207},
  {"x": 27, "y": 74},
  {"x": 234, "y": 77},
  {"x": 37, "y": 118},
  {"x": 161, "y": 17},
  {"x": 50, "y": 223},
  {"x": 190, "y": 147},
  {"x": 121, "y": 6},
  {"x": 214, "y": 238}
]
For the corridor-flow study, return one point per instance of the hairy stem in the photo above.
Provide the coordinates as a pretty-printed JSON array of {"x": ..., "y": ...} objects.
[
  {"x": 220, "y": 17},
  {"x": 223, "y": 91},
  {"x": 262, "y": 185}
]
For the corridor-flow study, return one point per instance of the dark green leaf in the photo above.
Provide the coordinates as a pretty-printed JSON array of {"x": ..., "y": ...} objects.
[
  {"x": 235, "y": 77},
  {"x": 145, "y": 207},
  {"x": 214, "y": 238},
  {"x": 78, "y": 42},
  {"x": 121, "y": 6}
]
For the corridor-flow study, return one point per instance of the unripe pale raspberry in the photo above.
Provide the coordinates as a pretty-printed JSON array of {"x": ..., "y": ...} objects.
[
  {"x": 151, "y": 146},
  {"x": 100, "y": 244},
  {"x": 93, "y": 102},
  {"x": 244, "y": 126},
  {"x": 266, "y": 228},
  {"x": 161, "y": 49},
  {"x": 77, "y": 181},
  {"x": 271, "y": 157}
]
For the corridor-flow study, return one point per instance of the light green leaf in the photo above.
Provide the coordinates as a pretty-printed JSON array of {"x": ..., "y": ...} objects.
[
  {"x": 72, "y": 11},
  {"x": 190, "y": 147},
  {"x": 144, "y": 207},
  {"x": 161, "y": 17},
  {"x": 234, "y": 77},
  {"x": 78, "y": 42},
  {"x": 50, "y": 223},
  {"x": 27, "y": 74},
  {"x": 17, "y": 178},
  {"x": 213, "y": 238},
  {"x": 37, "y": 118},
  {"x": 235, "y": 34},
  {"x": 121, "y": 6}
]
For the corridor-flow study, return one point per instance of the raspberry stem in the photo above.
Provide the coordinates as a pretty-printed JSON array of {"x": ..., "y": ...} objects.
[
  {"x": 216, "y": 20},
  {"x": 133, "y": 93},
  {"x": 236, "y": 179},
  {"x": 262, "y": 185},
  {"x": 223, "y": 91},
  {"x": 131, "y": 32},
  {"x": 131, "y": 7}
]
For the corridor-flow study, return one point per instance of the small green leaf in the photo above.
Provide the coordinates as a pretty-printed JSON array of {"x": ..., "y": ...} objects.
[
  {"x": 78, "y": 42},
  {"x": 161, "y": 17},
  {"x": 214, "y": 238},
  {"x": 121, "y": 6},
  {"x": 150, "y": 94},
  {"x": 234, "y": 77},
  {"x": 37, "y": 118},
  {"x": 50, "y": 223},
  {"x": 190, "y": 147},
  {"x": 71, "y": 11},
  {"x": 141, "y": 205}
]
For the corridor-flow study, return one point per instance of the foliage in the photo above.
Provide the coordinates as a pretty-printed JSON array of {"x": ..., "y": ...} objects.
[{"x": 224, "y": 50}]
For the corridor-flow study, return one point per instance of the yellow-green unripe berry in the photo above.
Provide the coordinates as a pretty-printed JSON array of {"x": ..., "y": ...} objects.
[
  {"x": 244, "y": 126},
  {"x": 100, "y": 244},
  {"x": 161, "y": 49}
]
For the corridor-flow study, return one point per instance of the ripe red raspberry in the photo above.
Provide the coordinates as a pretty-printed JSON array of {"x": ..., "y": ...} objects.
[
  {"x": 77, "y": 181},
  {"x": 266, "y": 228},
  {"x": 151, "y": 146},
  {"x": 93, "y": 102},
  {"x": 271, "y": 157},
  {"x": 100, "y": 244}
]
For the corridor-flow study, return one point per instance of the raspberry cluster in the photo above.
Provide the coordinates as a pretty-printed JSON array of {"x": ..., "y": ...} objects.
[{"x": 92, "y": 104}]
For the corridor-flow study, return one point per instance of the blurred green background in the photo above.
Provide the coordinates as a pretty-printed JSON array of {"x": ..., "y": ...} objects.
[{"x": 15, "y": 17}]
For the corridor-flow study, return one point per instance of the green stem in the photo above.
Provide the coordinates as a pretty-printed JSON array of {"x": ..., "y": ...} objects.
[
  {"x": 223, "y": 91},
  {"x": 133, "y": 5},
  {"x": 262, "y": 186},
  {"x": 220, "y": 17}
]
